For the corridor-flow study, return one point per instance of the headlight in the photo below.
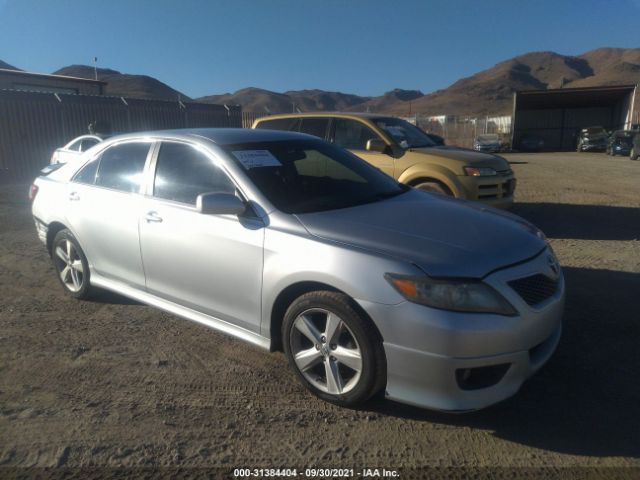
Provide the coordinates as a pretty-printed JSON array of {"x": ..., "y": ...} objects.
[
  {"x": 479, "y": 171},
  {"x": 454, "y": 295}
]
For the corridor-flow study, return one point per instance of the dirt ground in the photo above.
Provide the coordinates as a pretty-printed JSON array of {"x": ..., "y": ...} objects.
[{"x": 113, "y": 384}]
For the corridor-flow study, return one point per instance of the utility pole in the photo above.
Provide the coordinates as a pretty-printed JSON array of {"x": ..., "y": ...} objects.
[{"x": 95, "y": 68}]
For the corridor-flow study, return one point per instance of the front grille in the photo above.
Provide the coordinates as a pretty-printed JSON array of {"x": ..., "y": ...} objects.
[{"x": 535, "y": 289}]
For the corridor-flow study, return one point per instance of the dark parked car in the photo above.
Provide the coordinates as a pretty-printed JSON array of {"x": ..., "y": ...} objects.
[
  {"x": 635, "y": 147},
  {"x": 488, "y": 142},
  {"x": 531, "y": 143},
  {"x": 592, "y": 139},
  {"x": 620, "y": 142}
]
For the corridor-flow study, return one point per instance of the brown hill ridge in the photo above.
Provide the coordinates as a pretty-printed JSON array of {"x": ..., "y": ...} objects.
[
  {"x": 6, "y": 66},
  {"x": 125, "y": 85},
  {"x": 487, "y": 92}
]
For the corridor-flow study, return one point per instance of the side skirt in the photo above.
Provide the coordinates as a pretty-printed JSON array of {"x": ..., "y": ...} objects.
[{"x": 179, "y": 310}]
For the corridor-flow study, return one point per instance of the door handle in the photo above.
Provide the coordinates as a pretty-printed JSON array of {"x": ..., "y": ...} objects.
[
  {"x": 74, "y": 197},
  {"x": 153, "y": 217}
]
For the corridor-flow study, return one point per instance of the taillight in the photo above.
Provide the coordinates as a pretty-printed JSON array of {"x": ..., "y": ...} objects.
[{"x": 33, "y": 191}]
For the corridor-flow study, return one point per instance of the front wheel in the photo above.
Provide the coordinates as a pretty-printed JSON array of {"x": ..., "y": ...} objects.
[
  {"x": 434, "y": 187},
  {"x": 334, "y": 350},
  {"x": 71, "y": 264}
]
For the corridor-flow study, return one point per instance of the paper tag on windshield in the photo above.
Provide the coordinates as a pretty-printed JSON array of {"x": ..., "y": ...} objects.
[{"x": 256, "y": 158}]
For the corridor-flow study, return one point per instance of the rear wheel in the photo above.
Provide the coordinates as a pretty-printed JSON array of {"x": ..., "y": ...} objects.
[
  {"x": 71, "y": 264},
  {"x": 334, "y": 350}
]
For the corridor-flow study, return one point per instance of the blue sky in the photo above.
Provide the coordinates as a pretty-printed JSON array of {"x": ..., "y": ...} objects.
[{"x": 362, "y": 47}]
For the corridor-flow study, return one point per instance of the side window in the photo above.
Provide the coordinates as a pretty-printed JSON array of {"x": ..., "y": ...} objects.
[
  {"x": 75, "y": 146},
  {"x": 183, "y": 173},
  {"x": 286, "y": 124},
  {"x": 88, "y": 173},
  {"x": 87, "y": 143},
  {"x": 121, "y": 166},
  {"x": 315, "y": 126},
  {"x": 352, "y": 135}
]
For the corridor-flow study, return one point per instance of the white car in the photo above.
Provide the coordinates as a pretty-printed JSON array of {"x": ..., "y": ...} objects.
[{"x": 75, "y": 148}]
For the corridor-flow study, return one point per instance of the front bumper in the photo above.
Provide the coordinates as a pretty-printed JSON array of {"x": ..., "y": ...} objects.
[
  {"x": 593, "y": 147},
  {"x": 430, "y": 351},
  {"x": 496, "y": 191}
]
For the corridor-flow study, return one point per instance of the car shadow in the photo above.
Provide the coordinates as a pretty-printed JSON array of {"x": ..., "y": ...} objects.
[
  {"x": 586, "y": 400},
  {"x": 107, "y": 296},
  {"x": 585, "y": 222}
]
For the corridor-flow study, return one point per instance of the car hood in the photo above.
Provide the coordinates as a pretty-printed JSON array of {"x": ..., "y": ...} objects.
[
  {"x": 469, "y": 157},
  {"x": 444, "y": 237}
]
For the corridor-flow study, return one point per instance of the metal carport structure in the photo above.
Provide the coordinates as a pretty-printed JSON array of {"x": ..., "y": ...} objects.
[{"x": 556, "y": 116}]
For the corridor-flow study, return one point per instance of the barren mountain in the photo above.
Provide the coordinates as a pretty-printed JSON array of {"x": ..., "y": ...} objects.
[
  {"x": 487, "y": 92},
  {"x": 491, "y": 91},
  {"x": 6, "y": 66},
  {"x": 265, "y": 101},
  {"x": 125, "y": 85}
]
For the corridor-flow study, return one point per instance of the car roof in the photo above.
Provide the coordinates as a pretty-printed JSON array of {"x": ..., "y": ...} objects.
[
  {"x": 220, "y": 136},
  {"x": 370, "y": 116}
]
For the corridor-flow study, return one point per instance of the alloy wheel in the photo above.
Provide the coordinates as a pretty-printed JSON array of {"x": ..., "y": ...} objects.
[
  {"x": 325, "y": 351},
  {"x": 69, "y": 265}
]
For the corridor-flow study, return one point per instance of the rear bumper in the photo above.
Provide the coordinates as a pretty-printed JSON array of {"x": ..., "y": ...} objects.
[{"x": 42, "y": 230}]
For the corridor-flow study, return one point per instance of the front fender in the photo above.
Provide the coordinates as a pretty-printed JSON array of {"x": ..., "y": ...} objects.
[
  {"x": 290, "y": 259},
  {"x": 435, "y": 172}
]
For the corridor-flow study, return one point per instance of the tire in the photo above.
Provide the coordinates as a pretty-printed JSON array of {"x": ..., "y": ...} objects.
[
  {"x": 346, "y": 368},
  {"x": 434, "y": 187},
  {"x": 71, "y": 265}
]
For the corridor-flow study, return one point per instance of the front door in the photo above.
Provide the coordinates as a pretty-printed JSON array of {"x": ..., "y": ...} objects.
[
  {"x": 211, "y": 263},
  {"x": 353, "y": 135}
]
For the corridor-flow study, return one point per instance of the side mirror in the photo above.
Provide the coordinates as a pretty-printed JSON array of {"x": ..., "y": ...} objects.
[
  {"x": 219, "y": 204},
  {"x": 377, "y": 145}
]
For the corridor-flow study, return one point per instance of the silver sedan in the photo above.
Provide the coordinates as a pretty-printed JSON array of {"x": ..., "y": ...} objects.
[{"x": 293, "y": 244}]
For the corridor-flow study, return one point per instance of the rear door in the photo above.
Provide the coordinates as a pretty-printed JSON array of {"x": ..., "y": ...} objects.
[
  {"x": 210, "y": 263},
  {"x": 353, "y": 135},
  {"x": 104, "y": 207}
]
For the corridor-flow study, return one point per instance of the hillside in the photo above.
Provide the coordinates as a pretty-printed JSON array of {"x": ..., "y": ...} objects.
[
  {"x": 6, "y": 66},
  {"x": 487, "y": 92},
  {"x": 491, "y": 91},
  {"x": 260, "y": 100},
  {"x": 125, "y": 85}
]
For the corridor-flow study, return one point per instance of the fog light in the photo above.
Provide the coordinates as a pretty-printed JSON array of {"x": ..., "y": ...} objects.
[{"x": 481, "y": 377}]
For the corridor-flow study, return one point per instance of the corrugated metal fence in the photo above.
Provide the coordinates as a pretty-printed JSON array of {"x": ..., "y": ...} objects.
[{"x": 33, "y": 125}]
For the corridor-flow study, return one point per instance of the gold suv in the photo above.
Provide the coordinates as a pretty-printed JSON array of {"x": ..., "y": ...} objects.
[{"x": 407, "y": 154}]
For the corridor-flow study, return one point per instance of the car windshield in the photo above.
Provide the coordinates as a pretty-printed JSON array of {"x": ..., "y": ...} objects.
[
  {"x": 594, "y": 131},
  {"x": 490, "y": 137},
  {"x": 405, "y": 134},
  {"x": 303, "y": 176}
]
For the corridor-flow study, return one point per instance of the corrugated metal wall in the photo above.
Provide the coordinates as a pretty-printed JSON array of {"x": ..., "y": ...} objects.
[{"x": 33, "y": 125}]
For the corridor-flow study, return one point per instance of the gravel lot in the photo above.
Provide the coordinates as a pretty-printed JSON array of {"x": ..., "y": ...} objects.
[{"x": 110, "y": 383}]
